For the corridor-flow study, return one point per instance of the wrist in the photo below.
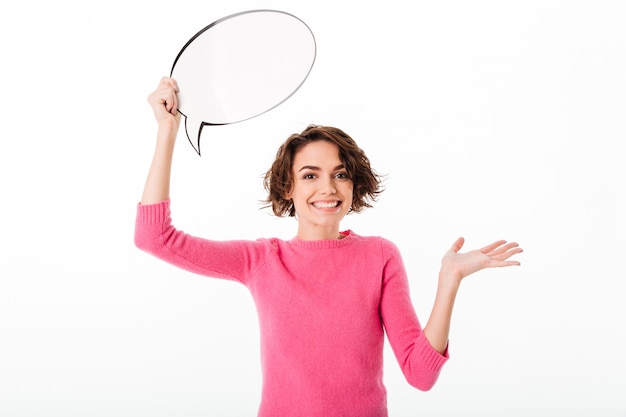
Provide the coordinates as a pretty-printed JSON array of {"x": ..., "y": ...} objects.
[
  {"x": 449, "y": 280},
  {"x": 167, "y": 132},
  {"x": 168, "y": 124}
]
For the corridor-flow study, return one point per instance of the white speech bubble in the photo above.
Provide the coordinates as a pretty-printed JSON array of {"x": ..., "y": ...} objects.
[{"x": 240, "y": 67}]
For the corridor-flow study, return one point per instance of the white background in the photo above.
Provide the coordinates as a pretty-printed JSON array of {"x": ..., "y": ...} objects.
[{"x": 490, "y": 119}]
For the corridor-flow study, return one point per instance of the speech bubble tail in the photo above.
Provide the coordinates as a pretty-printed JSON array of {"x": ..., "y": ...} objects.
[{"x": 193, "y": 131}]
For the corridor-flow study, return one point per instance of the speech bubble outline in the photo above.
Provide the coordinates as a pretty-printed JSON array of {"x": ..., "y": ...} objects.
[{"x": 230, "y": 92}]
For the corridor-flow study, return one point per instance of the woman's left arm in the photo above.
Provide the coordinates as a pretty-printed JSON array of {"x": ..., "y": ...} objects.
[{"x": 454, "y": 267}]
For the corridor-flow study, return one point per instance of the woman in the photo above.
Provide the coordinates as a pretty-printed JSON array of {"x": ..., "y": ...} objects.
[{"x": 325, "y": 298}]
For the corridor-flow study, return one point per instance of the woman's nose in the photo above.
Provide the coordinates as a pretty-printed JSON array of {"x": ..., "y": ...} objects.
[{"x": 328, "y": 186}]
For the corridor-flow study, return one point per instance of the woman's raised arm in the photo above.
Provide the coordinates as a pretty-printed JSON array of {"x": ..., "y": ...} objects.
[{"x": 164, "y": 102}]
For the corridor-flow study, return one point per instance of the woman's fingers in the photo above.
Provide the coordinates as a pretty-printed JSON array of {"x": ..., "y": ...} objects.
[{"x": 165, "y": 98}]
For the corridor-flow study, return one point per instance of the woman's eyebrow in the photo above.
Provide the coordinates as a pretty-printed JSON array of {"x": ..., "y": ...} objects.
[
  {"x": 314, "y": 168},
  {"x": 311, "y": 167}
]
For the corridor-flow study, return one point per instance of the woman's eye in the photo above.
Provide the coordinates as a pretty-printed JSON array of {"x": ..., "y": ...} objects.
[
  {"x": 308, "y": 176},
  {"x": 342, "y": 175}
]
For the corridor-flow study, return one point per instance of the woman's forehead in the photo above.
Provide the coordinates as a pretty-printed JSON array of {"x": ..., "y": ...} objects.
[{"x": 320, "y": 153}]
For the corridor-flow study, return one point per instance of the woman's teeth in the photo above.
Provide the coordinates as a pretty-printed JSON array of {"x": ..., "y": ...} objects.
[{"x": 326, "y": 205}]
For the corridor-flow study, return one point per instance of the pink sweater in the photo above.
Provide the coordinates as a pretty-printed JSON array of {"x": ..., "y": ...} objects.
[{"x": 323, "y": 309}]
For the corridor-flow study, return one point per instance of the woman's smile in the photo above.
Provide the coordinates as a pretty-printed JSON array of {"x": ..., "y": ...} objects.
[{"x": 326, "y": 204}]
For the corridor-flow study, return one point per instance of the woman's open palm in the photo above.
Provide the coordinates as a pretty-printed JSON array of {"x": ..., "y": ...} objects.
[{"x": 459, "y": 265}]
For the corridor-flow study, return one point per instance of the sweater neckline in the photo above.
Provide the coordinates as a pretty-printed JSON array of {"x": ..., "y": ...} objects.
[{"x": 325, "y": 243}]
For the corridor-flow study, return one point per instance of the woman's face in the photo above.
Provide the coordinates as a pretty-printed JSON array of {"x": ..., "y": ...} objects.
[{"x": 322, "y": 190}]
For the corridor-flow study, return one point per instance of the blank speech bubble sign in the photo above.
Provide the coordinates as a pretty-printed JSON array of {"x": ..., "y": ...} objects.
[{"x": 240, "y": 67}]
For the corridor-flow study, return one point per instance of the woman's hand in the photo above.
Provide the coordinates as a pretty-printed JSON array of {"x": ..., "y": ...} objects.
[
  {"x": 456, "y": 265},
  {"x": 164, "y": 102}
]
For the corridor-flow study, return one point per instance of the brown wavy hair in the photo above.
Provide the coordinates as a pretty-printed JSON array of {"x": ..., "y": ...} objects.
[{"x": 278, "y": 180}]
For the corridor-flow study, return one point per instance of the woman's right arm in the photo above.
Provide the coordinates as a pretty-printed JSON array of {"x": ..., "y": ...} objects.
[{"x": 164, "y": 102}]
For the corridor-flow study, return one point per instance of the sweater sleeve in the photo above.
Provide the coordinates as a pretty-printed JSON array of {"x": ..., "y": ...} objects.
[
  {"x": 419, "y": 361},
  {"x": 233, "y": 260}
]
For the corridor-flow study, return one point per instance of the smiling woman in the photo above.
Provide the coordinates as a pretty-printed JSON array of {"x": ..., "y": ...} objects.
[
  {"x": 314, "y": 175},
  {"x": 325, "y": 298},
  {"x": 279, "y": 180}
]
